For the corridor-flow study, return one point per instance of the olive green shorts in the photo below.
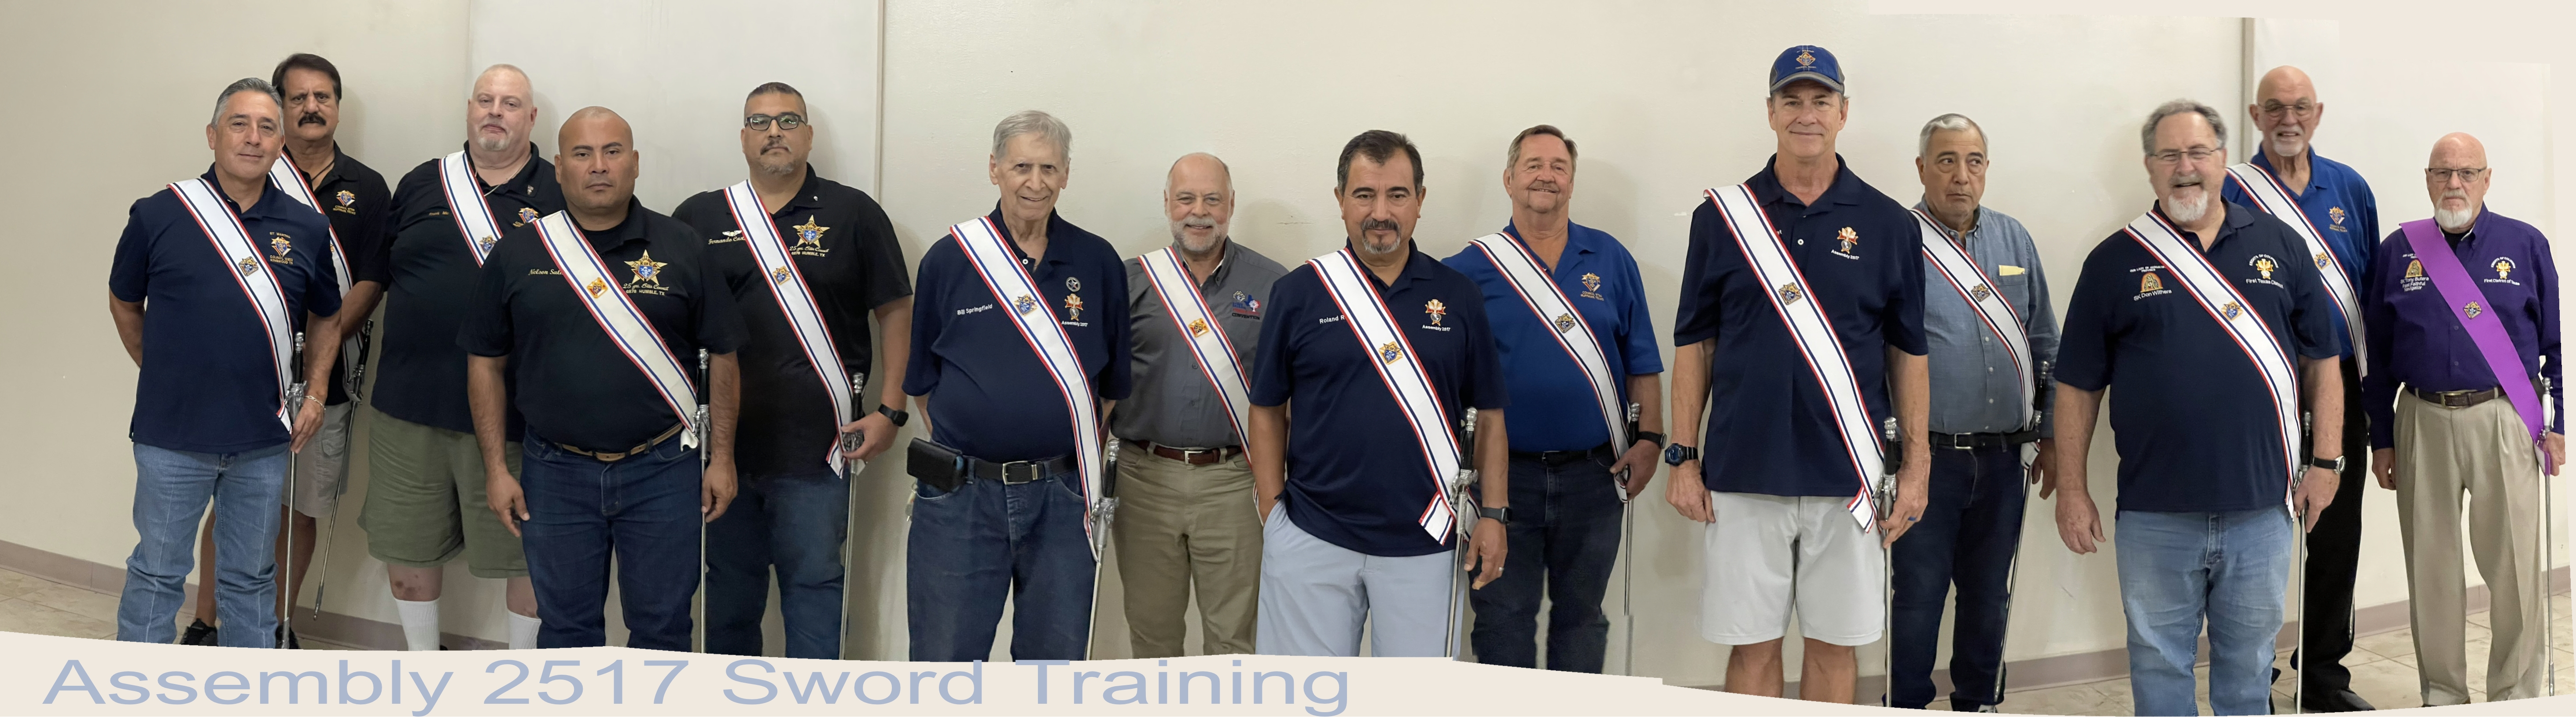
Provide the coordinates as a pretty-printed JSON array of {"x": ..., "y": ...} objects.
[{"x": 426, "y": 504}]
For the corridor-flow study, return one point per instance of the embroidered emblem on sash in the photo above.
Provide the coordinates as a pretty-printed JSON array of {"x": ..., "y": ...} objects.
[
  {"x": 2264, "y": 263},
  {"x": 1980, "y": 292},
  {"x": 1436, "y": 310},
  {"x": 648, "y": 273},
  {"x": 1073, "y": 307},
  {"x": 1024, "y": 304},
  {"x": 778, "y": 276},
  {"x": 809, "y": 236},
  {"x": 1390, "y": 352},
  {"x": 2231, "y": 309},
  {"x": 2321, "y": 260},
  {"x": 1198, "y": 327},
  {"x": 2472, "y": 309},
  {"x": 596, "y": 286},
  {"x": 2150, "y": 283},
  {"x": 527, "y": 216},
  {"x": 346, "y": 199},
  {"x": 1789, "y": 294},
  {"x": 2503, "y": 267},
  {"x": 1564, "y": 323},
  {"x": 485, "y": 244},
  {"x": 247, "y": 266}
]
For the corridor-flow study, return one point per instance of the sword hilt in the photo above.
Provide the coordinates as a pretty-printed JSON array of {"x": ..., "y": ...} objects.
[{"x": 850, "y": 441}]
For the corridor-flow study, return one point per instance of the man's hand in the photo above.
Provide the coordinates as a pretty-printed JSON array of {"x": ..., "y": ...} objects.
[
  {"x": 2316, "y": 491},
  {"x": 2383, "y": 462},
  {"x": 501, "y": 491},
  {"x": 1913, "y": 494},
  {"x": 1687, "y": 494},
  {"x": 2043, "y": 468},
  {"x": 2078, "y": 523},
  {"x": 308, "y": 419},
  {"x": 2556, "y": 444},
  {"x": 716, "y": 489},
  {"x": 1639, "y": 462},
  {"x": 1485, "y": 547},
  {"x": 876, "y": 434}
]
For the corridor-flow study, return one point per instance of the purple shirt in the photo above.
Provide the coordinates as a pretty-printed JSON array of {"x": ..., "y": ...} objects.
[{"x": 2416, "y": 341}]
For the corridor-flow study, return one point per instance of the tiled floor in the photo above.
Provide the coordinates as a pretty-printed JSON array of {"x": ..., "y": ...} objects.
[
  {"x": 2383, "y": 672},
  {"x": 35, "y": 605}
]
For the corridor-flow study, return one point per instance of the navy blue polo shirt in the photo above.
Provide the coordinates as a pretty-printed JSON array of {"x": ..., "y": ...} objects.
[
  {"x": 1356, "y": 477},
  {"x": 429, "y": 274},
  {"x": 209, "y": 376},
  {"x": 2339, "y": 203},
  {"x": 2194, "y": 421},
  {"x": 990, "y": 396},
  {"x": 1558, "y": 411},
  {"x": 1770, "y": 429}
]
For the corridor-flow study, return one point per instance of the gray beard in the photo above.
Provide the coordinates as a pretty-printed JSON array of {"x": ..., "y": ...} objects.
[
  {"x": 2455, "y": 221},
  {"x": 2186, "y": 215}
]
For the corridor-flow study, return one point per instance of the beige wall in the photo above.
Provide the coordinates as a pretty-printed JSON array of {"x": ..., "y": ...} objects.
[{"x": 1663, "y": 97}]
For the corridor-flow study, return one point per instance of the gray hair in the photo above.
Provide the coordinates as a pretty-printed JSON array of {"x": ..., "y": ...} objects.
[
  {"x": 2147, "y": 134},
  {"x": 1952, "y": 122},
  {"x": 247, "y": 84},
  {"x": 1038, "y": 123}
]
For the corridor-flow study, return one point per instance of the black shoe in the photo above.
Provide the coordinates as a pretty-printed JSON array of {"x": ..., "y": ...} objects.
[
  {"x": 2335, "y": 701},
  {"x": 288, "y": 636},
  {"x": 199, "y": 633}
]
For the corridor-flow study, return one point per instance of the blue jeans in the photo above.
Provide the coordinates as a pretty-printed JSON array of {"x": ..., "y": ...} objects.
[
  {"x": 171, "y": 489},
  {"x": 1564, "y": 539},
  {"x": 644, "y": 510},
  {"x": 797, "y": 524},
  {"x": 985, "y": 541},
  {"x": 1967, "y": 536},
  {"x": 2177, "y": 569}
]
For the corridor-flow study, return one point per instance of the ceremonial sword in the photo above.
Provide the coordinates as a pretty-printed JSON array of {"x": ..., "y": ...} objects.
[
  {"x": 357, "y": 379},
  {"x": 1103, "y": 511},
  {"x": 295, "y": 400},
  {"x": 1462, "y": 510},
  {"x": 1628, "y": 554},
  {"x": 850, "y": 468},
  {"x": 698, "y": 425}
]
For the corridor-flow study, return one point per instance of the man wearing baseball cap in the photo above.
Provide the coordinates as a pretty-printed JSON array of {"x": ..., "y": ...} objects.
[{"x": 1801, "y": 304}]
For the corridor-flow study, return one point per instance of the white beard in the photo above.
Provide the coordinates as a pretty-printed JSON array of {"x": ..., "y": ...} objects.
[
  {"x": 2182, "y": 214},
  {"x": 2455, "y": 221}
]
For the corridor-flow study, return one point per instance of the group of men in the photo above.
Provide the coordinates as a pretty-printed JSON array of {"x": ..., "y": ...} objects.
[{"x": 1862, "y": 395}]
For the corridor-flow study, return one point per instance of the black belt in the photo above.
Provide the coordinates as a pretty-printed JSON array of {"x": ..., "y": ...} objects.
[
  {"x": 1982, "y": 441},
  {"x": 1558, "y": 458},
  {"x": 2457, "y": 399},
  {"x": 639, "y": 449},
  {"x": 1017, "y": 472}
]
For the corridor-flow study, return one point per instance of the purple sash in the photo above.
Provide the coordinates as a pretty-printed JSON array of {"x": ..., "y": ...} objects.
[{"x": 2467, "y": 304}]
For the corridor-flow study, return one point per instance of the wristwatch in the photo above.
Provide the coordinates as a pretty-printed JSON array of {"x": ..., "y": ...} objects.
[
  {"x": 1658, "y": 438},
  {"x": 1500, "y": 515},
  {"x": 898, "y": 417},
  {"x": 1677, "y": 454},
  {"x": 2333, "y": 464}
]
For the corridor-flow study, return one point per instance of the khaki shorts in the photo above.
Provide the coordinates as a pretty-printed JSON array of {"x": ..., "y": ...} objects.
[
  {"x": 1768, "y": 554},
  {"x": 322, "y": 470},
  {"x": 425, "y": 501}
]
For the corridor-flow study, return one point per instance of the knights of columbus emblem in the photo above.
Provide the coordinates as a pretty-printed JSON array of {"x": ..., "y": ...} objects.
[
  {"x": 1564, "y": 323},
  {"x": 2263, "y": 263},
  {"x": 1198, "y": 327},
  {"x": 527, "y": 216},
  {"x": 1980, "y": 292},
  {"x": 2322, "y": 258},
  {"x": 485, "y": 244},
  {"x": 247, "y": 266},
  {"x": 1806, "y": 58},
  {"x": 2231, "y": 309},
  {"x": 1024, "y": 304},
  {"x": 778, "y": 275},
  {"x": 2503, "y": 267},
  {"x": 1591, "y": 281},
  {"x": 346, "y": 198},
  {"x": 1073, "y": 307},
  {"x": 280, "y": 245},
  {"x": 1789, "y": 294},
  {"x": 648, "y": 273},
  {"x": 1389, "y": 352},
  {"x": 597, "y": 286},
  {"x": 809, "y": 235},
  {"x": 1436, "y": 310},
  {"x": 2472, "y": 309},
  {"x": 2335, "y": 214}
]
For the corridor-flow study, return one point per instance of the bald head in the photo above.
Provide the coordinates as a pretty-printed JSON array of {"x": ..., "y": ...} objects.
[
  {"x": 502, "y": 110},
  {"x": 2286, "y": 112},
  {"x": 1198, "y": 196},
  {"x": 2456, "y": 177},
  {"x": 596, "y": 162}
]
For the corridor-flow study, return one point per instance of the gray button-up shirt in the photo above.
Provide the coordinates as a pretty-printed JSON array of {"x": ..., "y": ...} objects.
[
  {"x": 1974, "y": 389},
  {"x": 1172, "y": 403}
]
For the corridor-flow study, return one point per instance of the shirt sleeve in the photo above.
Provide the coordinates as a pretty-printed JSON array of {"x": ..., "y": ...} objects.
[
  {"x": 2547, "y": 289},
  {"x": 2312, "y": 316},
  {"x": 366, "y": 247},
  {"x": 881, "y": 257},
  {"x": 2366, "y": 220},
  {"x": 1484, "y": 377},
  {"x": 1644, "y": 355},
  {"x": 322, "y": 285},
  {"x": 719, "y": 329},
  {"x": 487, "y": 330},
  {"x": 2379, "y": 388},
  {"x": 129, "y": 275},
  {"x": 2040, "y": 327},
  {"x": 1117, "y": 376},
  {"x": 2084, "y": 348},
  {"x": 921, "y": 370},
  {"x": 1696, "y": 318},
  {"x": 379, "y": 267},
  {"x": 1273, "y": 379},
  {"x": 1903, "y": 320}
]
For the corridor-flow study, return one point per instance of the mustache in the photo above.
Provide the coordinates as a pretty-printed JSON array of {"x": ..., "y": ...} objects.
[
  {"x": 1199, "y": 223},
  {"x": 2186, "y": 180},
  {"x": 1548, "y": 185},
  {"x": 1372, "y": 225},
  {"x": 309, "y": 118}
]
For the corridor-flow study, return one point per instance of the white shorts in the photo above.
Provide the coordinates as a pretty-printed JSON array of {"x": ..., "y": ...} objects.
[
  {"x": 322, "y": 470},
  {"x": 1766, "y": 553}
]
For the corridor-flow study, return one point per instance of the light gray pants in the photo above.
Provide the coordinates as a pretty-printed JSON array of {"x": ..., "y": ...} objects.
[{"x": 1315, "y": 596}]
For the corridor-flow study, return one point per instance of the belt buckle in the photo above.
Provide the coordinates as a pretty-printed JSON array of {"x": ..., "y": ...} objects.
[
  {"x": 1035, "y": 472},
  {"x": 1191, "y": 455}
]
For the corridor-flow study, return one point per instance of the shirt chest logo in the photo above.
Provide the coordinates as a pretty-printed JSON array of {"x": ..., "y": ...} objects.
[
  {"x": 1072, "y": 308},
  {"x": 2149, "y": 284},
  {"x": 1435, "y": 310},
  {"x": 527, "y": 216},
  {"x": 2504, "y": 271},
  {"x": 1850, "y": 241},
  {"x": 2414, "y": 279},
  {"x": 278, "y": 246},
  {"x": 1592, "y": 286},
  {"x": 648, "y": 275},
  {"x": 346, "y": 198},
  {"x": 2264, "y": 264},
  {"x": 2334, "y": 217},
  {"x": 809, "y": 239},
  {"x": 1245, "y": 305}
]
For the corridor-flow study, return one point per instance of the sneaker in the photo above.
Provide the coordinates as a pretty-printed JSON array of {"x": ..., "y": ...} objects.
[{"x": 199, "y": 633}]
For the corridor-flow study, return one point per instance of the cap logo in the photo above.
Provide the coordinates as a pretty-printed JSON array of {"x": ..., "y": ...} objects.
[{"x": 1806, "y": 58}]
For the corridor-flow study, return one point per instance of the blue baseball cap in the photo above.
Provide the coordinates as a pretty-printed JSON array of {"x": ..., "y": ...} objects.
[{"x": 1806, "y": 62}]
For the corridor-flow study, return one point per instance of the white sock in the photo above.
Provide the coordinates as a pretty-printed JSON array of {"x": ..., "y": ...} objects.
[
  {"x": 523, "y": 631},
  {"x": 419, "y": 622}
]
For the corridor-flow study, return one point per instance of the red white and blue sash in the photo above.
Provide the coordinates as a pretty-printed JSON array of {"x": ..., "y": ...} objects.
[
  {"x": 796, "y": 300},
  {"x": 250, "y": 270},
  {"x": 465, "y": 203},
  {"x": 1993, "y": 310},
  {"x": 1199, "y": 330},
  {"x": 1567, "y": 326},
  {"x": 1401, "y": 369},
  {"x": 1794, "y": 300},
  {"x": 993, "y": 260},
  {"x": 2271, "y": 197},
  {"x": 2219, "y": 297},
  {"x": 626, "y": 326}
]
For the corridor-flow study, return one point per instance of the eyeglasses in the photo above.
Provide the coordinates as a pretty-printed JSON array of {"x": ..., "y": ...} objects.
[
  {"x": 2443, "y": 176},
  {"x": 2274, "y": 108},
  {"x": 786, "y": 120},
  {"x": 2170, "y": 156}
]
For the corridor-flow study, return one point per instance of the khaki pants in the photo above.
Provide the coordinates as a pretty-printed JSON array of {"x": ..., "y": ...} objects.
[
  {"x": 1180, "y": 525},
  {"x": 2484, "y": 451}
]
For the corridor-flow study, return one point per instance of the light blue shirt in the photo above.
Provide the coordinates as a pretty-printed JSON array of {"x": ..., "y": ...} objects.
[{"x": 1974, "y": 387}]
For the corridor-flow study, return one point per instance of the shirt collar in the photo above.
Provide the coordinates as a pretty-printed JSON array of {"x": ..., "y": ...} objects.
[
  {"x": 1767, "y": 189},
  {"x": 268, "y": 195},
  {"x": 525, "y": 180},
  {"x": 2316, "y": 177},
  {"x": 2238, "y": 217},
  {"x": 1417, "y": 266},
  {"x": 1984, "y": 220},
  {"x": 627, "y": 230},
  {"x": 1057, "y": 228},
  {"x": 1576, "y": 240},
  {"x": 808, "y": 195}
]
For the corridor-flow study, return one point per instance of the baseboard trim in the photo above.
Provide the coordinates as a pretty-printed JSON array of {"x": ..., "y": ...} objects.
[{"x": 331, "y": 626}]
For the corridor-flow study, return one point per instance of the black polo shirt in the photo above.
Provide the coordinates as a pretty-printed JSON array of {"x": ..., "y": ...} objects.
[
  {"x": 353, "y": 195},
  {"x": 989, "y": 396},
  {"x": 1770, "y": 429},
  {"x": 852, "y": 263},
  {"x": 208, "y": 381},
  {"x": 576, "y": 386},
  {"x": 429, "y": 275},
  {"x": 2194, "y": 422},
  {"x": 1356, "y": 477}
]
